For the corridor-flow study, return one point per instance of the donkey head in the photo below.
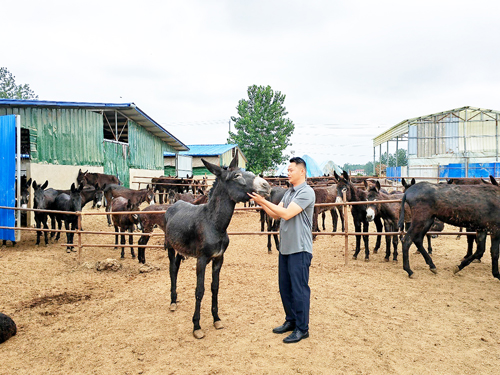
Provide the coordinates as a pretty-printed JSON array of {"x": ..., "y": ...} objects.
[
  {"x": 80, "y": 179},
  {"x": 39, "y": 195},
  {"x": 373, "y": 191},
  {"x": 75, "y": 197},
  {"x": 25, "y": 193},
  {"x": 237, "y": 182},
  {"x": 150, "y": 195},
  {"x": 98, "y": 195},
  {"x": 407, "y": 185},
  {"x": 344, "y": 184}
]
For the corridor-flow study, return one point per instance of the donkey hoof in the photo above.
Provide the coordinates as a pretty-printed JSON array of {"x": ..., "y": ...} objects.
[
  {"x": 173, "y": 306},
  {"x": 476, "y": 261},
  {"x": 367, "y": 259},
  {"x": 411, "y": 275},
  {"x": 269, "y": 251},
  {"x": 456, "y": 269},
  {"x": 198, "y": 334},
  {"x": 218, "y": 324},
  {"x": 394, "y": 260},
  {"x": 434, "y": 270},
  {"x": 68, "y": 251},
  {"x": 354, "y": 257},
  {"x": 386, "y": 259}
]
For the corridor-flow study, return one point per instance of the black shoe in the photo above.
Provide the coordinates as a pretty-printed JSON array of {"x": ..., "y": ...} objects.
[
  {"x": 286, "y": 327},
  {"x": 296, "y": 336}
]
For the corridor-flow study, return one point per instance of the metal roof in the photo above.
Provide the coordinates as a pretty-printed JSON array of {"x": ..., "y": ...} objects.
[
  {"x": 205, "y": 150},
  {"x": 124, "y": 110},
  {"x": 402, "y": 127}
]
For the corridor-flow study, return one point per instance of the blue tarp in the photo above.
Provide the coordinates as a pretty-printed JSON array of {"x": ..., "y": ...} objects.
[
  {"x": 393, "y": 172},
  {"x": 313, "y": 170},
  {"x": 474, "y": 170},
  {"x": 7, "y": 175}
]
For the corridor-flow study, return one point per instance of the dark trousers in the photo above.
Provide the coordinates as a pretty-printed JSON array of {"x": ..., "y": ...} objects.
[{"x": 294, "y": 287}]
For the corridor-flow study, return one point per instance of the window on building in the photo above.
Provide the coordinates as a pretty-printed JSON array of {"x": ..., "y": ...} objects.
[{"x": 115, "y": 126}]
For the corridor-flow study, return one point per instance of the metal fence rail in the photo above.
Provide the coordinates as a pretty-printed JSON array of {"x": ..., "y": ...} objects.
[{"x": 79, "y": 232}]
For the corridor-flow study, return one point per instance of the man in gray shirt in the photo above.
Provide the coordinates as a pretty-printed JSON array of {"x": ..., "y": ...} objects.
[{"x": 295, "y": 211}]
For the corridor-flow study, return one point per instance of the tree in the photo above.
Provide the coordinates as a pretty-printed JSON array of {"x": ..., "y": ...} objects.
[
  {"x": 9, "y": 89},
  {"x": 262, "y": 131}
]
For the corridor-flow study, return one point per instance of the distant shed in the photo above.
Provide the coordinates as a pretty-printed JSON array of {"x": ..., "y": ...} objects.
[
  {"x": 219, "y": 154},
  {"x": 461, "y": 142}
]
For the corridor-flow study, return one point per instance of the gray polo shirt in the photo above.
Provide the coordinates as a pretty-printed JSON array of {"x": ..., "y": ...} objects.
[{"x": 296, "y": 233}]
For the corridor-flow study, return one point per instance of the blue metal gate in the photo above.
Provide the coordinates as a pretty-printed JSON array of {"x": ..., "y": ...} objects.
[{"x": 7, "y": 175}]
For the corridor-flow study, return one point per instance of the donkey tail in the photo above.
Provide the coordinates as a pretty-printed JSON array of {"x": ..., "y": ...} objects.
[{"x": 401, "y": 222}]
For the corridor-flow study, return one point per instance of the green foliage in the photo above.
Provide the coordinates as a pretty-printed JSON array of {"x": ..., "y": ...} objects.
[
  {"x": 368, "y": 167},
  {"x": 401, "y": 155},
  {"x": 9, "y": 89},
  {"x": 262, "y": 131}
]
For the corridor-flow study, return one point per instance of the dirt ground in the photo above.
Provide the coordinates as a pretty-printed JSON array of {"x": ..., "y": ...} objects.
[{"x": 366, "y": 317}]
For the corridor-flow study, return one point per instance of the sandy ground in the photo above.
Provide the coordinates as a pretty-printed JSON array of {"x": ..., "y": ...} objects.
[{"x": 366, "y": 317}]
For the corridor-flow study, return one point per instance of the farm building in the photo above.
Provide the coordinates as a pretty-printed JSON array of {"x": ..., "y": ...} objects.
[
  {"x": 59, "y": 138},
  {"x": 461, "y": 142},
  {"x": 216, "y": 154}
]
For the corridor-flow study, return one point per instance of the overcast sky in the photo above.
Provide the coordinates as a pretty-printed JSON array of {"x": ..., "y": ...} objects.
[{"x": 349, "y": 69}]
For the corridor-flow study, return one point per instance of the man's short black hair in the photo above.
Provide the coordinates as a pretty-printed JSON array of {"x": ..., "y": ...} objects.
[{"x": 297, "y": 160}]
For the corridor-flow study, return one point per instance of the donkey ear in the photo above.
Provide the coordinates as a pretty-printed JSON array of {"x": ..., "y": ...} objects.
[
  {"x": 35, "y": 186},
  {"x": 28, "y": 183},
  {"x": 403, "y": 182},
  {"x": 377, "y": 185},
  {"x": 346, "y": 175},
  {"x": 493, "y": 180},
  {"x": 413, "y": 181},
  {"x": 337, "y": 177},
  {"x": 80, "y": 188},
  {"x": 234, "y": 162},
  {"x": 44, "y": 185},
  {"x": 215, "y": 169},
  {"x": 73, "y": 187},
  {"x": 366, "y": 184}
]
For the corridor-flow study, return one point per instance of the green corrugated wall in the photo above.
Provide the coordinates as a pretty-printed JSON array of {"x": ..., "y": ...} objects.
[
  {"x": 146, "y": 150},
  {"x": 169, "y": 171}
]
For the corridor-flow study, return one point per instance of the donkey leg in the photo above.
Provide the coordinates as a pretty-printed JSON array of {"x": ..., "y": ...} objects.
[
  {"x": 201, "y": 266},
  {"x": 388, "y": 228},
  {"x": 122, "y": 242},
  {"x": 46, "y": 233},
  {"x": 395, "y": 241},
  {"x": 141, "y": 251},
  {"x": 471, "y": 238},
  {"x": 68, "y": 236},
  {"x": 341, "y": 214},
  {"x": 418, "y": 241},
  {"x": 269, "y": 222},
  {"x": 131, "y": 242},
  {"x": 379, "y": 226},
  {"x": 335, "y": 218},
  {"x": 429, "y": 247},
  {"x": 366, "y": 241},
  {"x": 175, "y": 262},
  {"x": 415, "y": 235},
  {"x": 495, "y": 242},
  {"x": 481, "y": 246},
  {"x": 116, "y": 238},
  {"x": 216, "y": 266},
  {"x": 323, "y": 216},
  {"x": 357, "y": 228},
  {"x": 38, "y": 233}
]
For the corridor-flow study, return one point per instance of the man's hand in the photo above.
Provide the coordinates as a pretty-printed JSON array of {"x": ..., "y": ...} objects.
[{"x": 256, "y": 198}]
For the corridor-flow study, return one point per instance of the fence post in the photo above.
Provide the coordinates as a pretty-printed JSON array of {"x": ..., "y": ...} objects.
[
  {"x": 79, "y": 233},
  {"x": 346, "y": 228}
]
